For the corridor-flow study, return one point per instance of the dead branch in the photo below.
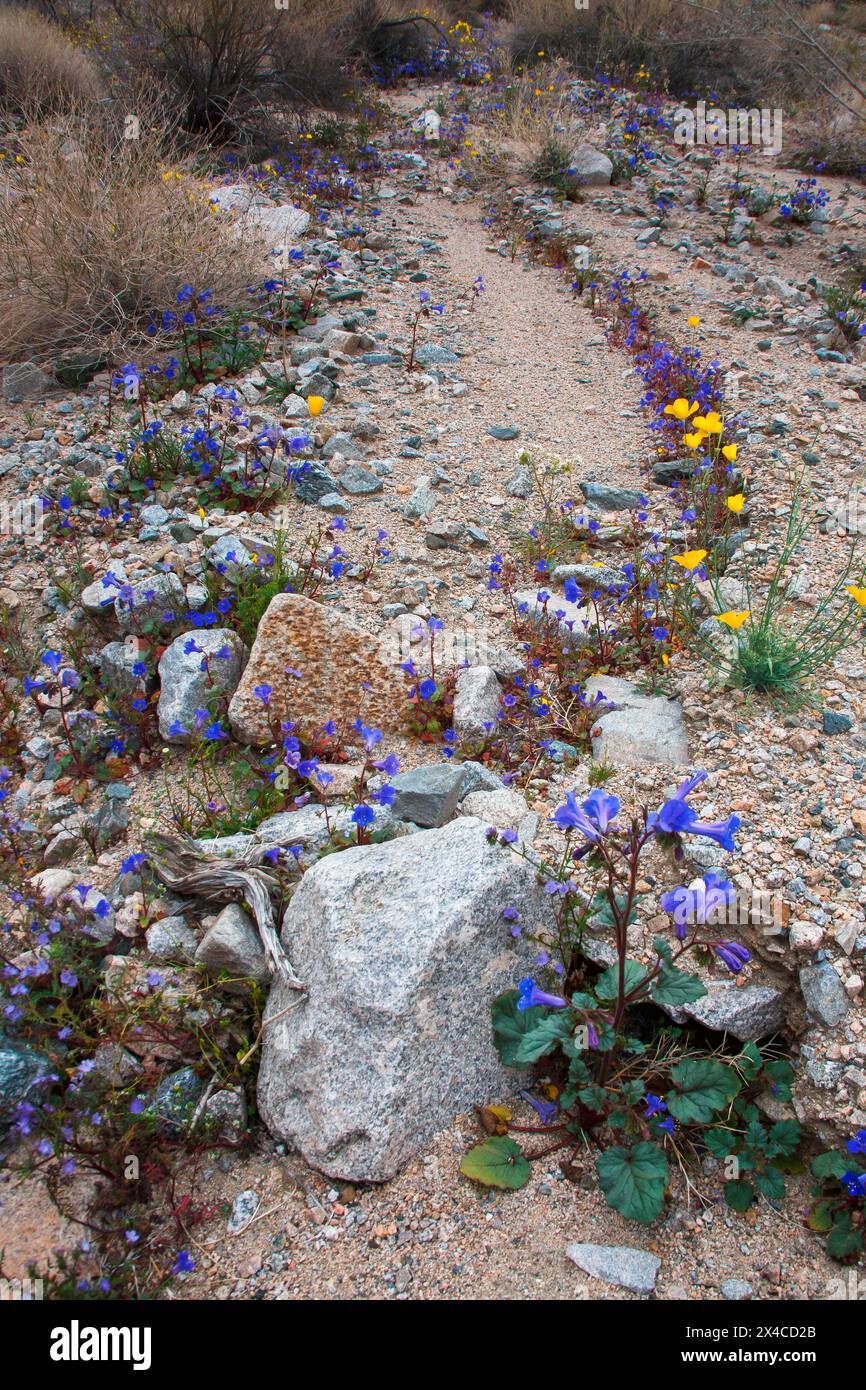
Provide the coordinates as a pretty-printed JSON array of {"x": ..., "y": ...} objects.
[{"x": 183, "y": 869}]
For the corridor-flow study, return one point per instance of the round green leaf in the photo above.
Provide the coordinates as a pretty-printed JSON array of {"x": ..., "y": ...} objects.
[
  {"x": 498, "y": 1162},
  {"x": 634, "y": 1180}
]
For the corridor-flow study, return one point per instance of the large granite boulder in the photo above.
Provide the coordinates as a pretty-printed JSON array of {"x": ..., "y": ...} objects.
[{"x": 403, "y": 947}]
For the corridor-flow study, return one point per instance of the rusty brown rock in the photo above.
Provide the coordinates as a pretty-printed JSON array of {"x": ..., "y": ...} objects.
[{"x": 342, "y": 673}]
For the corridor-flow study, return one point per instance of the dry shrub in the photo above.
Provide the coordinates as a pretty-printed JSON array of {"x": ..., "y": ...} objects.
[
  {"x": 230, "y": 62},
  {"x": 98, "y": 232},
  {"x": 732, "y": 47},
  {"x": 39, "y": 68}
]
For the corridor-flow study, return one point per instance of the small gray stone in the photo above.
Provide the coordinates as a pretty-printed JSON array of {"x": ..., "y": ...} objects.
[
  {"x": 244, "y": 1208},
  {"x": 23, "y": 1073},
  {"x": 622, "y": 1265},
  {"x": 185, "y": 687},
  {"x": 171, "y": 939},
  {"x": 476, "y": 704},
  {"x": 431, "y": 355},
  {"x": 824, "y": 993},
  {"x": 360, "y": 481},
  {"x": 427, "y": 796},
  {"x": 590, "y": 167},
  {"x": 152, "y": 603},
  {"x": 233, "y": 946},
  {"x": 610, "y": 499},
  {"x": 735, "y": 1290},
  {"x": 478, "y": 778}
]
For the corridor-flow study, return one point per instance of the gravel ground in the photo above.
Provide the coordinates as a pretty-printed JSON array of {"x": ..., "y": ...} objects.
[{"x": 532, "y": 358}]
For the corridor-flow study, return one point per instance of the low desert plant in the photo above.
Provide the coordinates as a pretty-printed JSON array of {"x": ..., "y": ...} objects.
[
  {"x": 98, "y": 230},
  {"x": 40, "y": 70}
]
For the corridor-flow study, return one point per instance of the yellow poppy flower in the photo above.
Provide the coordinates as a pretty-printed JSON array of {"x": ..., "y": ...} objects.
[
  {"x": 730, "y": 452},
  {"x": 735, "y": 503},
  {"x": 690, "y": 560},
  {"x": 315, "y": 404},
  {"x": 859, "y": 595},
  {"x": 693, "y": 321},
  {"x": 694, "y": 441},
  {"x": 709, "y": 424},
  {"x": 680, "y": 408},
  {"x": 732, "y": 619}
]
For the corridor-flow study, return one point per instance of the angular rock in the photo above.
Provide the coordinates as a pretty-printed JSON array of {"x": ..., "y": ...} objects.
[
  {"x": 151, "y": 603},
  {"x": 590, "y": 167},
  {"x": 478, "y": 778},
  {"x": 504, "y": 809},
  {"x": 476, "y": 703},
  {"x": 570, "y": 620},
  {"x": 639, "y": 730},
  {"x": 748, "y": 1012},
  {"x": 622, "y": 1265},
  {"x": 26, "y": 381},
  {"x": 402, "y": 948},
  {"x": 824, "y": 993},
  {"x": 359, "y": 481},
  {"x": 117, "y": 666},
  {"x": 23, "y": 1073},
  {"x": 233, "y": 946},
  {"x": 186, "y": 687},
  {"x": 428, "y": 796},
  {"x": 171, "y": 939},
  {"x": 342, "y": 674},
  {"x": 611, "y": 499}
]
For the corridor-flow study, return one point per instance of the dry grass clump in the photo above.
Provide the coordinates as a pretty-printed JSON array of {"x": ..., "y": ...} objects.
[
  {"x": 740, "y": 48},
  {"x": 98, "y": 232},
  {"x": 40, "y": 70}
]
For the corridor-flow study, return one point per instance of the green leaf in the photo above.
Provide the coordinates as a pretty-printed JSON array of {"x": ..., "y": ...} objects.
[
  {"x": 720, "y": 1142},
  {"x": 781, "y": 1073},
  {"x": 633, "y": 1180},
  {"x": 510, "y": 1025},
  {"x": 662, "y": 949},
  {"x": 703, "y": 1087},
  {"x": 594, "y": 1097},
  {"x": 784, "y": 1139},
  {"x": 583, "y": 1001},
  {"x": 771, "y": 1184},
  {"x": 750, "y": 1061},
  {"x": 739, "y": 1195},
  {"x": 607, "y": 986},
  {"x": 545, "y": 1036},
  {"x": 498, "y": 1162},
  {"x": 842, "y": 1240},
  {"x": 674, "y": 987},
  {"x": 831, "y": 1165},
  {"x": 820, "y": 1218}
]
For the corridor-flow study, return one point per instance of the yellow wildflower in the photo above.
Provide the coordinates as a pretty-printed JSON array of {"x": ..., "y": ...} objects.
[
  {"x": 680, "y": 408},
  {"x": 693, "y": 321},
  {"x": 315, "y": 404},
  {"x": 690, "y": 560},
  {"x": 733, "y": 620},
  {"x": 709, "y": 424},
  {"x": 735, "y": 503},
  {"x": 859, "y": 595},
  {"x": 730, "y": 452}
]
